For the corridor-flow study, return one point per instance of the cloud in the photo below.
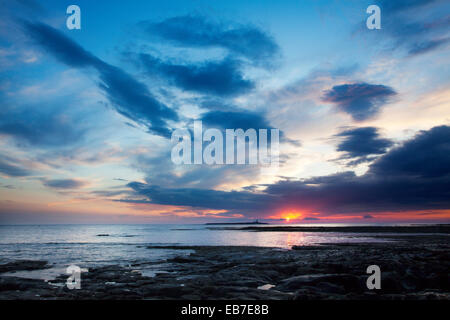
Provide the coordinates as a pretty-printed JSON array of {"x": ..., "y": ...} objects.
[
  {"x": 415, "y": 33},
  {"x": 242, "y": 119},
  {"x": 12, "y": 170},
  {"x": 423, "y": 47},
  {"x": 129, "y": 97},
  {"x": 412, "y": 176},
  {"x": 235, "y": 119},
  {"x": 360, "y": 143},
  {"x": 428, "y": 155},
  {"x": 64, "y": 183},
  {"x": 199, "y": 198},
  {"x": 109, "y": 193},
  {"x": 133, "y": 100},
  {"x": 169, "y": 175},
  {"x": 221, "y": 78},
  {"x": 37, "y": 126},
  {"x": 399, "y": 5},
  {"x": 360, "y": 100},
  {"x": 197, "y": 31}
]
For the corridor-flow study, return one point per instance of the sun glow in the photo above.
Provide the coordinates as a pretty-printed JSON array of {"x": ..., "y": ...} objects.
[{"x": 288, "y": 217}]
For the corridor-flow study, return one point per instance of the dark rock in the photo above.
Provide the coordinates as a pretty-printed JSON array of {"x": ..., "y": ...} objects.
[
  {"x": 413, "y": 268},
  {"x": 23, "y": 265}
]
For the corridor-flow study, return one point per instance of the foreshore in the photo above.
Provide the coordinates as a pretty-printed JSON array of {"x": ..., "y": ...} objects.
[{"x": 412, "y": 267}]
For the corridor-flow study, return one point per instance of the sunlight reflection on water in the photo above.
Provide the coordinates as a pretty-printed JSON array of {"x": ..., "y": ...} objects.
[{"x": 96, "y": 245}]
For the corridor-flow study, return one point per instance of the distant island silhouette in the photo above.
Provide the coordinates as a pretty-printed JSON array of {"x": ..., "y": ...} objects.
[{"x": 228, "y": 223}]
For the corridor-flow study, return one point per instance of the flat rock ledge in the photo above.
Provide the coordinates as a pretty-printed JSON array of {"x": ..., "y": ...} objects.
[{"x": 412, "y": 267}]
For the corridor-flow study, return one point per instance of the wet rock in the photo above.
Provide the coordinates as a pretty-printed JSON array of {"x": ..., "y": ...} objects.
[
  {"x": 413, "y": 268},
  {"x": 23, "y": 265}
]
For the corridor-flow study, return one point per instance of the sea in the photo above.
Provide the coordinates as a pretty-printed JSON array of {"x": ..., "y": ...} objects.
[{"x": 89, "y": 246}]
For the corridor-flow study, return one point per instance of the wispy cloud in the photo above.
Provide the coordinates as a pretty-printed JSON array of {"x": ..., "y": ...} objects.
[
  {"x": 222, "y": 78},
  {"x": 13, "y": 170},
  {"x": 416, "y": 33},
  {"x": 45, "y": 127},
  {"x": 64, "y": 183},
  {"x": 130, "y": 97},
  {"x": 198, "y": 31}
]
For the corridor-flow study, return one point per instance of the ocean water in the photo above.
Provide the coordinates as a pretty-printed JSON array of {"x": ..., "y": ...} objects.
[{"x": 89, "y": 246}]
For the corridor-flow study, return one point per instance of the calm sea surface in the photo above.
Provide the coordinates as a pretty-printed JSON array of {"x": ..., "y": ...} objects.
[{"x": 95, "y": 245}]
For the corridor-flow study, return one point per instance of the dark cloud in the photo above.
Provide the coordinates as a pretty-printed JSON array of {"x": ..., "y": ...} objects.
[
  {"x": 427, "y": 155},
  {"x": 412, "y": 176},
  {"x": 60, "y": 46},
  {"x": 132, "y": 99},
  {"x": 199, "y": 198},
  {"x": 412, "y": 32},
  {"x": 360, "y": 100},
  {"x": 50, "y": 126},
  {"x": 10, "y": 169},
  {"x": 222, "y": 78},
  {"x": 241, "y": 119},
  {"x": 109, "y": 193},
  {"x": 423, "y": 47},
  {"x": 360, "y": 143},
  {"x": 129, "y": 97},
  {"x": 64, "y": 183},
  {"x": 197, "y": 31}
]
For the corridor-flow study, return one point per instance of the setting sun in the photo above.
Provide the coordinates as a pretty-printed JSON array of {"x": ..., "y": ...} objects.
[{"x": 291, "y": 216}]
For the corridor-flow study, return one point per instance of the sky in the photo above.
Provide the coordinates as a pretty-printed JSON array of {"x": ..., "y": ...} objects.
[{"x": 87, "y": 114}]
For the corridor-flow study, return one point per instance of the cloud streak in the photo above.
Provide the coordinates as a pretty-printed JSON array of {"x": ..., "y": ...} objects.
[
  {"x": 222, "y": 78},
  {"x": 12, "y": 170},
  {"x": 43, "y": 127},
  {"x": 197, "y": 31},
  {"x": 129, "y": 97},
  {"x": 64, "y": 183},
  {"x": 426, "y": 32}
]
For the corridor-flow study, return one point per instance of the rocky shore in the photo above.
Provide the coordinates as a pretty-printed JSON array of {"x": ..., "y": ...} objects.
[{"x": 412, "y": 267}]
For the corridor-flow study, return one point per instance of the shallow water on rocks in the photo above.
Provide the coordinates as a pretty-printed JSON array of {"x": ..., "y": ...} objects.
[{"x": 90, "y": 246}]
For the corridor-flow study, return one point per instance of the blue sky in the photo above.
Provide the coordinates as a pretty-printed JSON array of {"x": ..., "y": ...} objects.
[{"x": 87, "y": 114}]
